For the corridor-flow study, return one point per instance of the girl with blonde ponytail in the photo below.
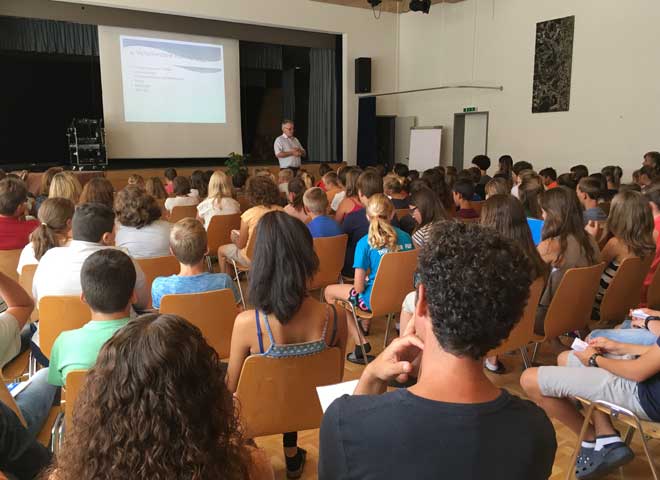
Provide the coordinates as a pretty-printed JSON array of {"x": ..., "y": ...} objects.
[
  {"x": 382, "y": 238},
  {"x": 55, "y": 215}
]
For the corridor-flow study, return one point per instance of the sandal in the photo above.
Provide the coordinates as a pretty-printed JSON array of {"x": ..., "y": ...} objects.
[
  {"x": 356, "y": 355},
  {"x": 498, "y": 370},
  {"x": 594, "y": 464},
  {"x": 300, "y": 459}
]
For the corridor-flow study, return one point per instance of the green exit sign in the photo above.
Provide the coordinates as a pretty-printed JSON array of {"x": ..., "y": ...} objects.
[{"x": 469, "y": 109}]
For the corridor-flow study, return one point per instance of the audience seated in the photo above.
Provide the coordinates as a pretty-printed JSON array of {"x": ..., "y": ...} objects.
[
  {"x": 454, "y": 423},
  {"x": 505, "y": 167},
  {"x": 463, "y": 192},
  {"x": 341, "y": 184},
  {"x": 381, "y": 238},
  {"x": 155, "y": 406},
  {"x": 65, "y": 185},
  {"x": 579, "y": 172},
  {"x": 284, "y": 176},
  {"x": 155, "y": 188},
  {"x": 351, "y": 201},
  {"x": 169, "y": 174},
  {"x": 198, "y": 185},
  {"x": 59, "y": 269},
  {"x": 565, "y": 243},
  {"x": 505, "y": 214},
  {"x": 482, "y": 162},
  {"x": 630, "y": 223},
  {"x": 549, "y": 178},
  {"x": 516, "y": 169},
  {"x": 21, "y": 456},
  {"x": 394, "y": 188},
  {"x": 264, "y": 196},
  {"x": 136, "y": 179},
  {"x": 652, "y": 195},
  {"x": 55, "y": 215},
  {"x": 426, "y": 209},
  {"x": 652, "y": 159},
  {"x": 437, "y": 182},
  {"x": 566, "y": 180},
  {"x": 220, "y": 200},
  {"x": 635, "y": 330},
  {"x": 286, "y": 321},
  {"x": 589, "y": 192},
  {"x": 140, "y": 229},
  {"x": 613, "y": 176},
  {"x": 46, "y": 179},
  {"x": 316, "y": 207},
  {"x": 107, "y": 280},
  {"x": 529, "y": 190},
  {"x": 98, "y": 190},
  {"x": 182, "y": 195},
  {"x": 295, "y": 207},
  {"x": 15, "y": 330},
  {"x": 332, "y": 186},
  {"x": 15, "y": 230},
  {"x": 632, "y": 384},
  {"x": 323, "y": 169},
  {"x": 497, "y": 186},
  {"x": 188, "y": 243}
]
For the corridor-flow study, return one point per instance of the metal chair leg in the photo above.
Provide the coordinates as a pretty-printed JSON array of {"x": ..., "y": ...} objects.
[
  {"x": 570, "y": 471},
  {"x": 56, "y": 433},
  {"x": 238, "y": 282},
  {"x": 365, "y": 358},
  {"x": 525, "y": 357},
  {"x": 209, "y": 264},
  {"x": 649, "y": 458},
  {"x": 387, "y": 329},
  {"x": 536, "y": 348}
]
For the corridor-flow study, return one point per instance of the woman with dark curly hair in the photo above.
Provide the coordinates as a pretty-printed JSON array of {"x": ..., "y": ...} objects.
[
  {"x": 155, "y": 406},
  {"x": 264, "y": 195},
  {"x": 98, "y": 190},
  {"x": 140, "y": 231}
]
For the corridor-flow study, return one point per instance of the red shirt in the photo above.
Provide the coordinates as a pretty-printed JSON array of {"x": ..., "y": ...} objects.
[
  {"x": 169, "y": 188},
  {"x": 552, "y": 185},
  {"x": 15, "y": 233},
  {"x": 654, "y": 265}
]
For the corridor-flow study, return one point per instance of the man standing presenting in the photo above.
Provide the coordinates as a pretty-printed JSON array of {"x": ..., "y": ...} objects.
[{"x": 288, "y": 149}]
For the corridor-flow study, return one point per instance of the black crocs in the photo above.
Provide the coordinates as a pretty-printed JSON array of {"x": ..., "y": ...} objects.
[{"x": 592, "y": 464}]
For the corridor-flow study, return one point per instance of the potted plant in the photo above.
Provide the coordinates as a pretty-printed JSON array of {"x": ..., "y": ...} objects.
[{"x": 235, "y": 163}]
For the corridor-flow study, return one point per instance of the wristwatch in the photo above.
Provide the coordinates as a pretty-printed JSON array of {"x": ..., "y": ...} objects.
[
  {"x": 650, "y": 319},
  {"x": 592, "y": 359}
]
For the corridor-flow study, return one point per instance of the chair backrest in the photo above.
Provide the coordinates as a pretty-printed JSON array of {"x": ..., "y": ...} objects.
[
  {"x": 183, "y": 211},
  {"x": 9, "y": 263},
  {"x": 394, "y": 280},
  {"x": 7, "y": 399},
  {"x": 244, "y": 202},
  {"x": 570, "y": 307},
  {"x": 219, "y": 231},
  {"x": 653, "y": 293},
  {"x": 477, "y": 206},
  {"x": 212, "y": 312},
  {"x": 523, "y": 332},
  {"x": 331, "y": 252},
  {"x": 25, "y": 280},
  {"x": 278, "y": 395},
  {"x": 73, "y": 384},
  {"x": 57, "y": 314},
  {"x": 402, "y": 212},
  {"x": 158, "y": 267},
  {"x": 251, "y": 243},
  {"x": 624, "y": 291}
]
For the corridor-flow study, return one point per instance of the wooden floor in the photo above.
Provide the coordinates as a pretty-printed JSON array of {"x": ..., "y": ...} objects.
[{"x": 309, "y": 440}]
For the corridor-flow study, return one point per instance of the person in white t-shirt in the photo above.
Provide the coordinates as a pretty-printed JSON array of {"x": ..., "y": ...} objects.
[
  {"x": 19, "y": 308},
  {"x": 182, "y": 196},
  {"x": 288, "y": 149},
  {"x": 220, "y": 199}
]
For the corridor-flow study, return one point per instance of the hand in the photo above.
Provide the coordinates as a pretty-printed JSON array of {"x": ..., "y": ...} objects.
[
  {"x": 637, "y": 322},
  {"x": 585, "y": 355},
  {"x": 395, "y": 362},
  {"x": 605, "y": 345},
  {"x": 592, "y": 228}
]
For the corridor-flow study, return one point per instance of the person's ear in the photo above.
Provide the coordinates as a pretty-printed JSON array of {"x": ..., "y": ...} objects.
[
  {"x": 172, "y": 252},
  {"x": 108, "y": 239},
  {"x": 422, "y": 317},
  {"x": 83, "y": 299}
]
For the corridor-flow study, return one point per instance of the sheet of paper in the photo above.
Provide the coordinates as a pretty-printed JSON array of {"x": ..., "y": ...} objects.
[
  {"x": 639, "y": 313},
  {"x": 19, "y": 387},
  {"x": 329, "y": 393},
  {"x": 579, "y": 345}
]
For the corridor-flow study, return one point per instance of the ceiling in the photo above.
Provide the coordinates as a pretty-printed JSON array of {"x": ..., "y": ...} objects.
[{"x": 387, "y": 5}]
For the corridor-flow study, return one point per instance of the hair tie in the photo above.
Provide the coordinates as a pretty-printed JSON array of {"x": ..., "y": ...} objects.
[{"x": 44, "y": 224}]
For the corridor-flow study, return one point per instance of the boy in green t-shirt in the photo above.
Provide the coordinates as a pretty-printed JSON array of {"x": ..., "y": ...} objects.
[{"x": 108, "y": 282}]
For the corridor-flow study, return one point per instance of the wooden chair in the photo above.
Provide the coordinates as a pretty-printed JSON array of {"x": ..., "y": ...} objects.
[
  {"x": 9, "y": 263},
  {"x": 331, "y": 252},
  {"x": 57, "y": 314},
  {"x": 25, "y": 280},
  {"x": 244, "y": 202},
  {"x": 623, "y": 293},
  {"x": 183, "y": 211},
  {"x": 278, "y": 395},
  {"x": 570, "y": 308},
  {"x": 16, "y": 368},
  {"x": 158, "y": 267},
  {"x": 477, "y": 206},
  {"x": 653, "y": 292},
  {"x": 73, "y": 384},
  {"x": 219, "y": 233},
  {"x": 523, "y": 333},
  {"x": 402, "y": 212},
  {"x": 212, "y": 312},
  {"x": 394, "y": 280},
  {"x": 634, "y": 423}
]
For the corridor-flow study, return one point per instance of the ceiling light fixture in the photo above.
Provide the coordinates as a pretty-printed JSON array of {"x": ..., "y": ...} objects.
[{"x": 423, "y": 6}]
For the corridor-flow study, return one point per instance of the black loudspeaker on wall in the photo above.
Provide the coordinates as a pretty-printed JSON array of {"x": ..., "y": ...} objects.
[{"x": 363, "y": 75}]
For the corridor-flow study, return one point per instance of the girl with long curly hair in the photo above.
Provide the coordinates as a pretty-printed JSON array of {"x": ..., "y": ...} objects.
[{"x": 155, "y": 406}]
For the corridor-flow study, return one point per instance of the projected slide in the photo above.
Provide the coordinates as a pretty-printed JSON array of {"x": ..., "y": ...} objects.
[{"x": 169, "y": 81}]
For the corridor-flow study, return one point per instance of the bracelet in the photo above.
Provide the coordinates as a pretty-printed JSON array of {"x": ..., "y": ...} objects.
[
  {"x": 651, "y": 318},
  {"x": 592, "y": 359}
]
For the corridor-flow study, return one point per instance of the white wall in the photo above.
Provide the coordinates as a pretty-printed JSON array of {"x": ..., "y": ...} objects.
[
  {"x": 363, "y": 37},
  {"x": 614, "y": 113}
]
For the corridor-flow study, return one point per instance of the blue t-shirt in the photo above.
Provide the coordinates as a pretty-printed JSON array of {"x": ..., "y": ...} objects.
[
  {"x": 648, "y": 392},
  {"x": 204, "y": 282},
  {"x": 324, "y": 226},
  {"x": 536, "y": 227},
  {"x": 368, "y": 259}
]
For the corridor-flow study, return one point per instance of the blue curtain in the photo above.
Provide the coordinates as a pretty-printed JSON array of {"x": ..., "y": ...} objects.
[
  {"x": 48, "y": 36},
  {"x": 322, "y": 136}
]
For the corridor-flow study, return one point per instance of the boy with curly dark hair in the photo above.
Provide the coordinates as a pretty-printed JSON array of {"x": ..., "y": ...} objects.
[{"x": 454, "y": 423}]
